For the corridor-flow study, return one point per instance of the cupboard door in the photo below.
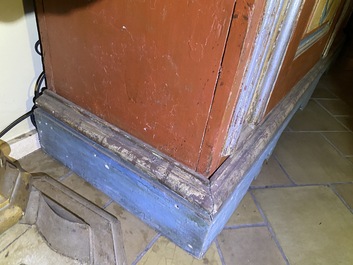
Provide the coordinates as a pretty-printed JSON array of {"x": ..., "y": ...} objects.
[{"x": 314, "y": 28}]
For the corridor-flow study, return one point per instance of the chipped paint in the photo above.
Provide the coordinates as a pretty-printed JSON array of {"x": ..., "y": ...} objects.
[
  {"x": 151, "y": 66},
  {"x": 274, "y": 36}
]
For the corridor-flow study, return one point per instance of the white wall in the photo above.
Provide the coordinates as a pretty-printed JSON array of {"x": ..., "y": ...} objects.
[{"x": 19, "y": 64}]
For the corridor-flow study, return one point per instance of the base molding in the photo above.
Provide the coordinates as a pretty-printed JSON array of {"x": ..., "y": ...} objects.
[{"x": 184, "y": 206}]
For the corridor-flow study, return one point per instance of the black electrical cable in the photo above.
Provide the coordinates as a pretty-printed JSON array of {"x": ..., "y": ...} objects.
[
  {"x": 14, "y": 123},
  {"x": 38, "y": 48},
  {"x": 38, "y": 91}
]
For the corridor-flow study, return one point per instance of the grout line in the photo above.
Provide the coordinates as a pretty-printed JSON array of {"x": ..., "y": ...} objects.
[
  {"x": 317, "y": 98},
  {"x": 220, "y": 253},
  {"x": 327, "y": 90},
  {"x": 301, "y": 185},
  {"x": 341, "y": 198},
  {"x": 325, "y": 109},
  {"x": 4, "y": 249},
  {"x": 284, "y": 170},
  {"x": 338, "y": 116},
  {"x": 233, "y": 227},
  {"x": 331, "y": 114},
  {"x": 342, "y": 115},
  {"x": 149, "y": 245},
  {"x": 63, "y": 177},
  {"x": 270, "y": 229},
  {"x": 349, "y": 160},
  {"x": 341, "y": 182},
  {"x": 271, "y": 186},
  {"x": 332, "y": 144}
]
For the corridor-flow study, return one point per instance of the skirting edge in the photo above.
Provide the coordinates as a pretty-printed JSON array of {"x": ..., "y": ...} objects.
[{"x": 184, "y": 206}]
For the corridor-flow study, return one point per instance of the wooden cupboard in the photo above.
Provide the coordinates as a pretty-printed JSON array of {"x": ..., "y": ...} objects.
[
  {"x": 171, "y": 107},
  {"x": 163, "y": 71}
]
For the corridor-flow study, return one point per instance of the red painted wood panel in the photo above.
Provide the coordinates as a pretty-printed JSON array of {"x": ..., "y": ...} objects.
[
  {"x": 244, "y": 28},
  {"x": 148, "y": 67},
  {"x": 294, "y": 68}
]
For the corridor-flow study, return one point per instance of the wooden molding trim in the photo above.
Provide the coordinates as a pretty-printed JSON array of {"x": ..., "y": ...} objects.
[
  {"x": 160, "y": 191},
  {"x": 267, "y": 56}
]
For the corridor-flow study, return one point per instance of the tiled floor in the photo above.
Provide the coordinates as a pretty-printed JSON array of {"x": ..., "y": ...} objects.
[{"x": 298, "y": 210}]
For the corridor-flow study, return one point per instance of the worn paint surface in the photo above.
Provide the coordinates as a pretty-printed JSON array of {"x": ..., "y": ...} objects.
[
  {"x": 146, "y": 159},
  {"x": 294, "y": 68},
  {"x": 119, "y": 172},
  {"x": 148, "y": 67},
  {"x": 246, "y": 20},
  {"x": 153, "y": 203},
  {"x": 251, "y": 84}
]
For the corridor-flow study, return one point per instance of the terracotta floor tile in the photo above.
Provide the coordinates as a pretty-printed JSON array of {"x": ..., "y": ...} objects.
[
  {"x": 38, "y": 161},
  {"x": 246, "y": 213},
  {"x": 252, "y": 246},
  {"x": 343, "y": 141},
  {"x": 335, "y": 106},
  {"x": 346, "y": 192},
  {"x": 271, "y": 175},
  {"x": 309, "y": 159},
  {"x": 314, "y": 118},
  {"x": 86, "y": 190},
  {"x": 311, "y": 224},
  {"x": 164, "y": 252},
  {"x": 136, "y": 234}
]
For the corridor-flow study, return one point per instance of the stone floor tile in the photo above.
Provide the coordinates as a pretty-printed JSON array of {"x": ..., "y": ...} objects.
[
  {"x": 346, "y": 192},
  {"x": 312, "y": 224},
  {"x": 347, "y": 121},
  {"x": 86, "y": 190},
  {"x": 38, "y": 161},
  {"x": 11, "y": 234},
  {"x": 343, "y": 141},
  {"x": 335, "y": 106},
  {"x": 327, "y": 81},
  {"x": 340, "y": 84},
  {"x": 164, "y": 252},
  {"x": 31, "y": 248},
  {"x": 322, "y": 93},
  {"x": 314, "y": 118},
  {"x": 309, "y": 159},
  {"x": 136, "y": 234},
  {"x": 271, "y": 175},
  {"x": 246, "y": 213},
  {"x": 251, "y": 245}
]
